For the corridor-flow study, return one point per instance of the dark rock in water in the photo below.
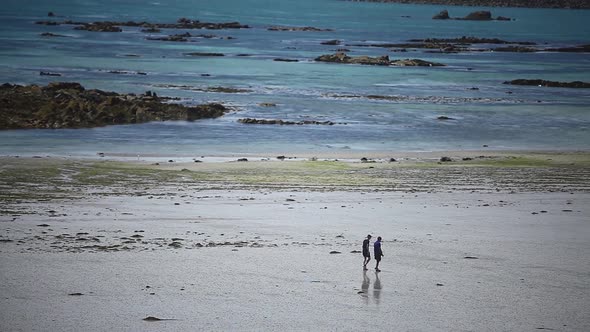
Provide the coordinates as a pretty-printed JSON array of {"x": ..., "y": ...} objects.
[
  {"x": 42, "y": 225},
  {"x": 283, "y": 122},
  {"x": 573, "y": 49},
  {"x": 446, "y": 159},
  {"x": 47, "y": 23},
  {"x": 503, "y": 18},
  {"x": 175, "y": 244},
  {"x": 283, "y": 28},
  {"x": 482, "y": 15},
  {"x": 267, "y": 104},
  {"x": 377, "y": 61},
  {"x": 444, "y": 117},
  {"x": 69, "y": 105},
  {"x": 554, "y": 84},
  {"x": 469, "y": 40},
  {"x": 49, "y": 34},
  {"x": 365, "y": 60},
  {"x": 415, "y": 62},
  {"x": 50, "y": 14},
  {"x": 183, "y": 37},
  {"x": 204, "y": 54},
  {"x": 99, "y": 27},
  {"x": 46, "y": 73},
  {"x": 470, "y": 257},
  {"x": 281, "y": 157},
  {"x": 286, "y": 60},
  {"x": 334, "y": 252},
  {"x": 75, "y": 294},
  {"x": 519, "y": 49},
  {"x": 392, "y": 160},
  {"x": 443, "y": 15},
  {"x": 331, "y": 42},
  {"x": 243, "y": 159}
]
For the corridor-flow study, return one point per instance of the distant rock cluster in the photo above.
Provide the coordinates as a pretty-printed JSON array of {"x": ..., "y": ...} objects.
[
  {"x": 182, "y": 23},
  {"x": 341, "y": 57},
  {"x": 482, "y": 15}
]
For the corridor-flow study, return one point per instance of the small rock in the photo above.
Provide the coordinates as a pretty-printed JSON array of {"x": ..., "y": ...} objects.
[
  {"x": 470, "y": 257},
  {"x": 75, "y": 294},
  {"x": 446, "y": 159},
  {"x": 335, "y": 252}
]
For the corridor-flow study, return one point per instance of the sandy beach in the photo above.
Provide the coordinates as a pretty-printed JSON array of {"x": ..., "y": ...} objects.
[{"x": 492, "y": 244}]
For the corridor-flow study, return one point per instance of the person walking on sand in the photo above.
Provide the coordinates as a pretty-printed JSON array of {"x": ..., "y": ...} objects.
[
  {"x": 366, "y": 252},
  {"x": 378, "y": 253}
]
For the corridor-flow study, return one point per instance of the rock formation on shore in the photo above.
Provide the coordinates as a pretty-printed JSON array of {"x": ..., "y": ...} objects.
[
  {"x": 569, "y": 4},
  {"x": 70, "y": 105},
  {"x": 341, "y": 57}
]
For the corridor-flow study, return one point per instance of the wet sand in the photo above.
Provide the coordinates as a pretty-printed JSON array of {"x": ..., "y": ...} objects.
[{"x": 87, "y": 246}]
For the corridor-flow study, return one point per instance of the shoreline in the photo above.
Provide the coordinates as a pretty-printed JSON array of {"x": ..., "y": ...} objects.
[{"x": 32, "y": 178}]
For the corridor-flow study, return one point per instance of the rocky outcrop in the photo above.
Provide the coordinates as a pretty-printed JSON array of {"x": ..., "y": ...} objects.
[
  {"x": 443, "y": 15},
  {"x": 555, "y": 84},
  {"x": 285, "y": 60},
  {"x": 374, "y": 61},
  {"x": 204, "y": 54},
  {"x": 573, "y": 49},
  {"x": 99, "y": 27},
  {"x": 283, "y": 122},
  {"x": 182, "y": 23},
  {"x": 570, "y": 4},
  {"x": 331, "y": 42},
  {"x": 471, "y": 40},
  {"x": 283, "y": 28},
  {"x": 70, "y": 105},
  {"x": 482, "y": 15}
]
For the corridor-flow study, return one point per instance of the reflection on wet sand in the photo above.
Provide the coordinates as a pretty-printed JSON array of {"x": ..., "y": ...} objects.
[{"x": 377, "y": 286}]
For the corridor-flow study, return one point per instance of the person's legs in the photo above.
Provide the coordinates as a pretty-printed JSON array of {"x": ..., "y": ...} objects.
[{"x": 377, "y": 265}]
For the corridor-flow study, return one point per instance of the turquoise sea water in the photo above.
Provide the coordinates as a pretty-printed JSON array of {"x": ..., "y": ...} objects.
[{"x": 526, "y": 118}]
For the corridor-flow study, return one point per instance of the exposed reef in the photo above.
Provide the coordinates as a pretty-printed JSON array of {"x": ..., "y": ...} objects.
[
  {"x": 182, "y": 23},
  {"x": 374, "y": 61},
  {"x": 285, "y": 28},
  {"x": 481, "y": 15},
  {"x": 70, "y": 105},
  {"x": 553, "y": 84},
  {"x": 284, "y": 122}
]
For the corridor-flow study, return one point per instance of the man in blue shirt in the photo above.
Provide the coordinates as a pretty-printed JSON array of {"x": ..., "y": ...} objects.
[{"x": 378, "y": 253}]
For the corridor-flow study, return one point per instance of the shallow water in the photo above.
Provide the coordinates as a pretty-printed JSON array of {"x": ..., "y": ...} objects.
[{"x": 528, "y": 118}]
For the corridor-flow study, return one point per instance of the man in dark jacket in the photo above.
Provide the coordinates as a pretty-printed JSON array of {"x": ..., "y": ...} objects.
[{"x": 366, "y": 252}]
